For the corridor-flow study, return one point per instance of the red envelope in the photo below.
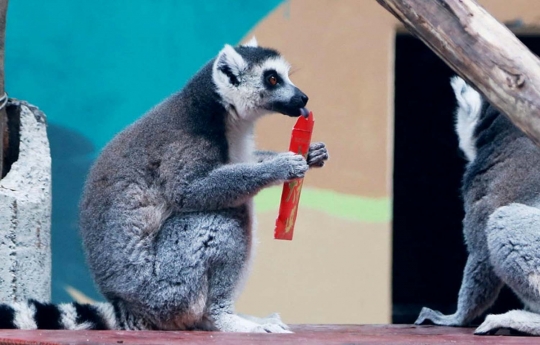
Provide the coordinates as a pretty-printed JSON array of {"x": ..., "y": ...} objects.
[{"x": 300, "y": 140}]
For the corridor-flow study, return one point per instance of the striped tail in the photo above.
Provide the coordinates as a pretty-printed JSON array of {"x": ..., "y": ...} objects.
[{"x": 74, "y": 316}]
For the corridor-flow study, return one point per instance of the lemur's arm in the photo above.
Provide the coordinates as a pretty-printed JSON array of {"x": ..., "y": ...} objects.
[
  {"x": 231, "y": 185},
  {"x": 316, "y": 158},
  {"x": 264, "y": 155}
]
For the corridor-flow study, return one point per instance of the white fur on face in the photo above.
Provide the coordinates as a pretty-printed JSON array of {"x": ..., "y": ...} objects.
[
  {"x": 280, "y": 65},
  {"x": 246, "y": 97},
  {"x": 467, "y": 114}
]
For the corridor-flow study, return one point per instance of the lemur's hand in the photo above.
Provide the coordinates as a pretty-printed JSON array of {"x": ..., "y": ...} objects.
[
  {"x": 317, "y": 155},
  {"x": 290, "y": 165}
]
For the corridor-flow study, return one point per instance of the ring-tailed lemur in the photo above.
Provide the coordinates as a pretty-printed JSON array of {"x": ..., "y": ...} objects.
[
  {"x": 166, "y": 215},
  {"x": 501, "y": 192}
]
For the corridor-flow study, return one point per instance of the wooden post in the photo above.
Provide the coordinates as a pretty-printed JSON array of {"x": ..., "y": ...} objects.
[
  {"x": 3, "y": 115},
  {"x": 25, "y": 197},
  {"x": 482, "y": 51}
]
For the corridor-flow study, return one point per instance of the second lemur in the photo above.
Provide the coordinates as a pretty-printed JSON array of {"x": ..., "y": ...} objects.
[{"x": 501, "y": 193}]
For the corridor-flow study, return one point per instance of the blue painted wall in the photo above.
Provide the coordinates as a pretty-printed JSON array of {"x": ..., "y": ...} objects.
[{"x": 96, "y": 66}]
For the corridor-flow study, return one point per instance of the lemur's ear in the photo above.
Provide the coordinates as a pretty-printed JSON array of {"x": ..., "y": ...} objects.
[
  {"x": 251, "y": 43},
  {"x": 231, "y": 64}
]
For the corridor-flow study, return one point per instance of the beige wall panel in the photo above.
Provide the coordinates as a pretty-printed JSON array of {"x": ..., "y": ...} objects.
[{"x": 334, "y": 271}]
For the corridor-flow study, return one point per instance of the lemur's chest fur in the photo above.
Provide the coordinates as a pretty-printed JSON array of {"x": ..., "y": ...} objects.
[{"x": 240, "y": 140}]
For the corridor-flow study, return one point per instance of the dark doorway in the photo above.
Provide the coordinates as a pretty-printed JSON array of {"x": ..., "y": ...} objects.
[{"x": 428, "y": 249}]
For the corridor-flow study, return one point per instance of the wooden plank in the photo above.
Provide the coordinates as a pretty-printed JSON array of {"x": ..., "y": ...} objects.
[
  {"x": 304, "y": 334},
  {"x": 482, "y": 51}
]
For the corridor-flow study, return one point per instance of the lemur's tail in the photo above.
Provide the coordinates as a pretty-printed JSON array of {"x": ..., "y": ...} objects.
[{"x": 36, "y": 315}]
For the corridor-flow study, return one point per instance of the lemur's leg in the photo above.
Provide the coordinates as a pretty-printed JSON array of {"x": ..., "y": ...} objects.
[
  {"x": 514, "y": 246},
  {"x": 199, "y": 260},
  {"x": 174, "y": 292},
  {"x": 479, "y": 289},
  {"x": 224, "y": 274},
  {"x": 317, "y": 155}
]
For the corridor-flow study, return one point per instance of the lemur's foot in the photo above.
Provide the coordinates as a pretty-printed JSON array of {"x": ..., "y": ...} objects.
[
  {"x": 430, "y": 316},
  {"x": 272, "y": 321},
  {"x": 317, "y": 155},
  {"x": 515, "y": 322},
  {"x": 235, "y": 323},
  {"x": 491, "y": 325}
]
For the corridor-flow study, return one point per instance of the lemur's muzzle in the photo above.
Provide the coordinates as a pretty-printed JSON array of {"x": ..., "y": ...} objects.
[{"x": 296, "y": 105}]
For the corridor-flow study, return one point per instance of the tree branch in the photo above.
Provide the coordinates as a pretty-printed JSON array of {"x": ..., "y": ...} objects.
[{"x": 482, "y": 51}]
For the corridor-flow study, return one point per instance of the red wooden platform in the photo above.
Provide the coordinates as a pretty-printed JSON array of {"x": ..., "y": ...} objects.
[{"x": 304, "y": 334}]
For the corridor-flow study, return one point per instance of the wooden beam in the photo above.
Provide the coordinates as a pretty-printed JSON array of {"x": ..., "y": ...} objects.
[
  {"x": 4, "y": 138},
  {"x": 482, "y": 51}
]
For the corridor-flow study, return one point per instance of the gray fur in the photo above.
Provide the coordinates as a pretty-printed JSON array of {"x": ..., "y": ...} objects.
[
  {"x": 501, "y": 192},
  {"x": 166, "y": 216}
]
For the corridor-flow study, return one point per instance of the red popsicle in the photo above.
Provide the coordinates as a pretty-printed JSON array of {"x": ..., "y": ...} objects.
[{"x": 300, "y": 140}]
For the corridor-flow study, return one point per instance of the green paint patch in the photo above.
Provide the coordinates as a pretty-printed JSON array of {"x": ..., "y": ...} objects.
[{"x": 345, "y": 206}]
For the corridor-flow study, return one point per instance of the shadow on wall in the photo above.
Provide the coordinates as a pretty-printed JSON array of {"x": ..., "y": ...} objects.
[{"x": 72, "y": 155}]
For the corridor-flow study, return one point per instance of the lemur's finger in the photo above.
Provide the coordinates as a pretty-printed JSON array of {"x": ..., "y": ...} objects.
[
  {"x": 319, "y": 152},
  {"x": 318, "y": 164},
  {"x": 318, "y": 156},
  {"x": 315, "y": 146}
]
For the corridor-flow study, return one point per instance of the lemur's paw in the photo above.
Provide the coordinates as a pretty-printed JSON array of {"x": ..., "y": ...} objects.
[
  {"x": 235, "y": 323},
  {"x": 490, "y": 326},
  {"x": 291, "y": 165},
  {"x": 434, "y": 317},
  {"x": 275, "y": 328},
  {"x": 272, "y": 323},
  {"x": 514, "y": 322},
  {"x": 317, "y": 155},
  {"x": 275, "y": 319}
]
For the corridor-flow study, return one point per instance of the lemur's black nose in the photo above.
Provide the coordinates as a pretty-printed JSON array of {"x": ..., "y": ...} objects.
[
  {"x": 304, "y": 98},
  {"x": 299, "y": 95}
]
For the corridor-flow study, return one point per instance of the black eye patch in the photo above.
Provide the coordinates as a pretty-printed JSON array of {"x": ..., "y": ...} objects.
[
  {"x": 271, "y": 79},
  {"x": 228, "y": 72}
]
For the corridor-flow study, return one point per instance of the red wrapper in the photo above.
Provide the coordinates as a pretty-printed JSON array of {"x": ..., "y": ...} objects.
[{"x": 300, "y": 140}]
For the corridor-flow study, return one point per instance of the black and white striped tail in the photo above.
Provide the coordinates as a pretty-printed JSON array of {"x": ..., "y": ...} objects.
[{"x": 36, "y": 315}]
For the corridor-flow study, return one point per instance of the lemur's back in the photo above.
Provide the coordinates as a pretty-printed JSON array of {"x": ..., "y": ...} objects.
[
  {"x": 505, "y": 158},
  {"x": 128, "y": 195},
  {"x": 137, "y": 160}
]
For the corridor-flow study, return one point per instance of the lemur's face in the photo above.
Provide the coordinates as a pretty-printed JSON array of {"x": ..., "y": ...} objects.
[{"x": 253, "y": 81}]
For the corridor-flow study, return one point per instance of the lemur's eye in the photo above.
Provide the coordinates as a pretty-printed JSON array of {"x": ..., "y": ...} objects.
[{"x": 272, "y": 80}]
